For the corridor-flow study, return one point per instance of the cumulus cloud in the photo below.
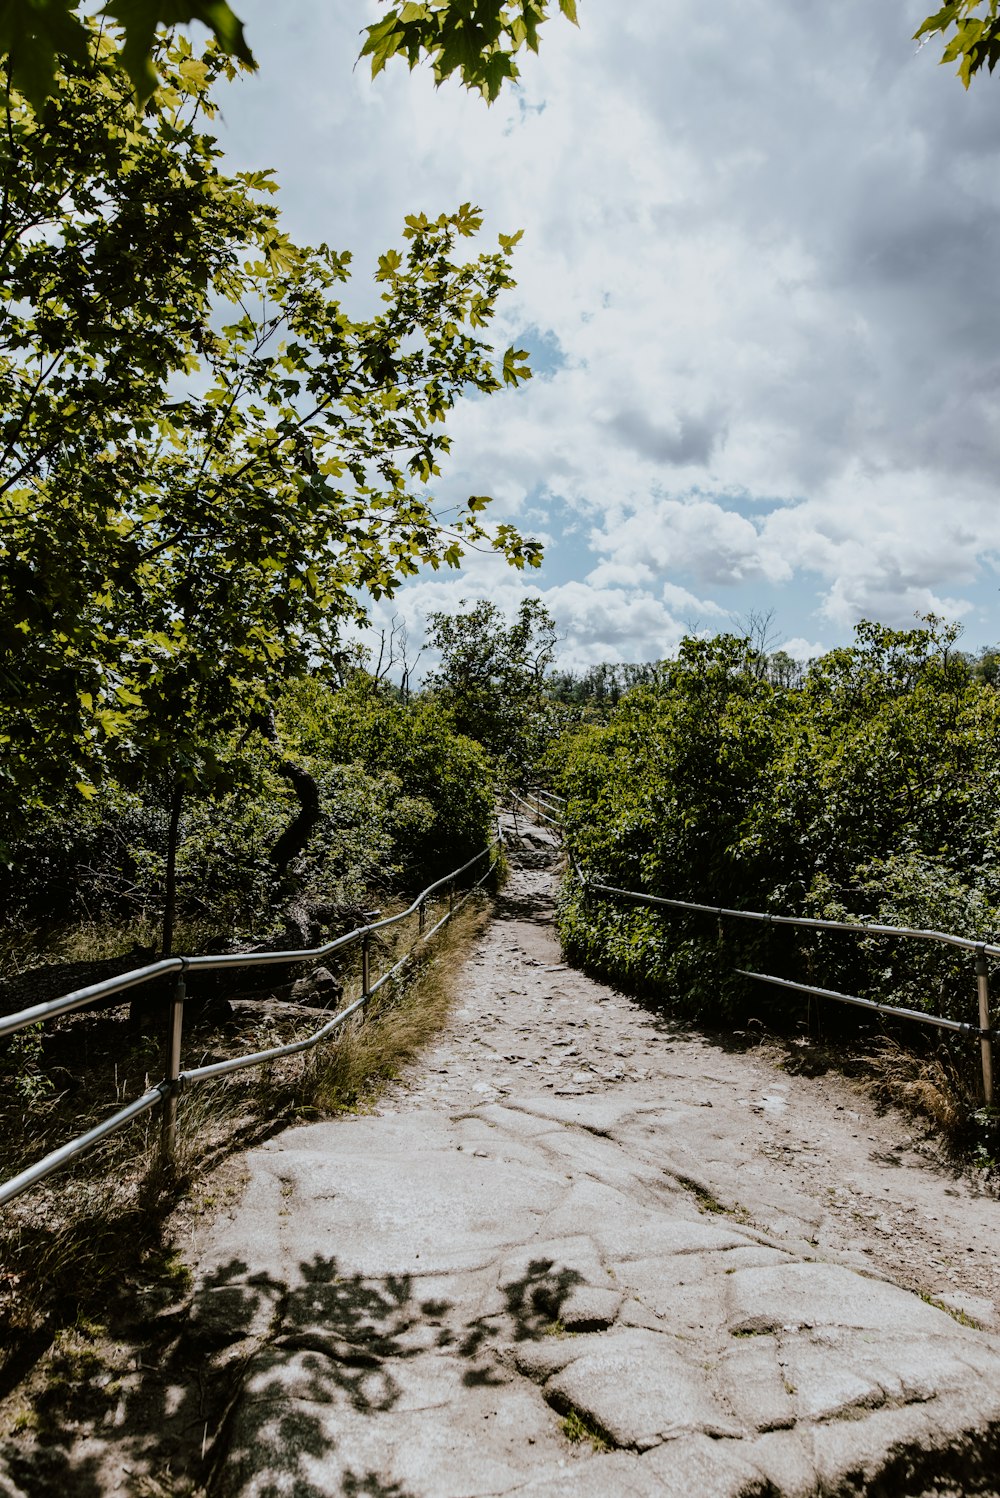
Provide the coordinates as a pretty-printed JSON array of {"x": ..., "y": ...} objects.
[
  {"x": 755, "y": 274},
  {"x": 686, "y": 438}
]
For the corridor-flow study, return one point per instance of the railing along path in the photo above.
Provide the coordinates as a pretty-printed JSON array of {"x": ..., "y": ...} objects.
[
  {"x": 168, "y": 1091},
  {"x": 546, "y": 806},
  {"x": 543, "y": 805}
]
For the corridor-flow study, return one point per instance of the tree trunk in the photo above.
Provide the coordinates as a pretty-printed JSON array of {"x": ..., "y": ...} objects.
[
  {"x": 170, "y": 884},
  {"x": 293, "y": 840}
]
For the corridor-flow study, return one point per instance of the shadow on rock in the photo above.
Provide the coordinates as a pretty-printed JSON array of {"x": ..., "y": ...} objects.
[
  {"x": 535, "y": 1301},
  {"x": 326, "y": 1354},
  {"x": 243, "y": 1390}
]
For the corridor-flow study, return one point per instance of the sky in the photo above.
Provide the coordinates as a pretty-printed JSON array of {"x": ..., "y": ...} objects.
[{"x": 758, "y": 284}]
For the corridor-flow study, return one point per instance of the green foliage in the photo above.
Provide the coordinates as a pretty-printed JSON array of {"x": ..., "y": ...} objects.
[
  {"x": 477, "y": 39},
  {"x": 986, "y": 665},
  {"x": 491, "y": 678},
  {"x": 402, "y": 798},
  {"x": 972, "y": 29},
  {"x": 22, "y": 1065},
  {"x": 576, "y": 1428},
  {"x": 205, "y": 462},
  {"x": 599, "y": 689},
  {"x": 435, "y": 767},
  {"x": 867, "y": 790},
  {"x": 35, "y": 34}
]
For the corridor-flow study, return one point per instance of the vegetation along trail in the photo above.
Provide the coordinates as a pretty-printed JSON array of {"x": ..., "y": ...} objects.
[{"x": 577, "y": 1251}]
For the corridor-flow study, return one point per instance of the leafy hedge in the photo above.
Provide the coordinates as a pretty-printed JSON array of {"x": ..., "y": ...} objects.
[{"x": 868, "y": 789}]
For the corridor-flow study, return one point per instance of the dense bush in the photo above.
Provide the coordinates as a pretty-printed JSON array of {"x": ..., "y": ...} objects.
[
  {"x": 416, "y": 743},
  {"x": 402, "y": 798},
  {"x": 866, "y": 790}
]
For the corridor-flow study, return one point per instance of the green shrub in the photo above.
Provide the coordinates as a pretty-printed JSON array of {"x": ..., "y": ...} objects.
[
  {"x": 403, "y": 798},
  {"x": 868, "y": 789},
  {"x": 434, "y": 766}
]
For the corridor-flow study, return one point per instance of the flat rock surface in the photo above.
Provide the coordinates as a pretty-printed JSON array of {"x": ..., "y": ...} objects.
[{"x": 573, "y": 1220}]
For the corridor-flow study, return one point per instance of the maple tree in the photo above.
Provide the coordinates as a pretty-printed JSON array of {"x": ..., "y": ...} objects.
[{"x": 205, "y": 461}]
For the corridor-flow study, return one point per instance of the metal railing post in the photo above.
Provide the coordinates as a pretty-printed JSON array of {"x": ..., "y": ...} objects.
[
  {"x": 451, "y": 896},
  {"x": 985, "y": 1041},
  {"x": 175, "y": 1026},
  {"x": 422, "y": 917},
  {"x": 365, "y": 965}
]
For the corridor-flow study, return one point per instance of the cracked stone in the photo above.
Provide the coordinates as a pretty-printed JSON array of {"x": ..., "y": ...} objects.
[
  {"x": 807, "y": 1295},
  {"x": 755, "y": 1387},
  {"x": 634, "y": 1388},
  {"x": 697, "y": 1465}
]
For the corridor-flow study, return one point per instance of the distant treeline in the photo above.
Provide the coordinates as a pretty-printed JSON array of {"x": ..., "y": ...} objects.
[{"x": 605, "y": 684}]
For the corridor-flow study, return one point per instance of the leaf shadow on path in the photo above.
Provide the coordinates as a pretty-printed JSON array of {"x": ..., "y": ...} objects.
[{"x": 256, "y": 1380}]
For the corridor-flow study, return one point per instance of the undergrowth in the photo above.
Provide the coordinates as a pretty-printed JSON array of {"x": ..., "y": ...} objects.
[{"x": 934, "y": 1086}]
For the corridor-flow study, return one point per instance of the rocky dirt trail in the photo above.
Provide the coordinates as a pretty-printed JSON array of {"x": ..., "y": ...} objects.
[{"x": 577, "y": 1251}]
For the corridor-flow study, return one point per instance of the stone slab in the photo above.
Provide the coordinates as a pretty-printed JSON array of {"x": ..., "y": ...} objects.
[{"x": 635, "y": 1388}]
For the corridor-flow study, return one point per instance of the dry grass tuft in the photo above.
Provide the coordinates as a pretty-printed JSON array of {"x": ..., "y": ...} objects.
[
  {"x": 401, "y": 1019},
  {"x": 931, "y": 1085}
]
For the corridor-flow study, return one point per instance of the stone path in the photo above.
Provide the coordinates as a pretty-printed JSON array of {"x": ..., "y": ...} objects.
[{"x": 571, "y": 1221}]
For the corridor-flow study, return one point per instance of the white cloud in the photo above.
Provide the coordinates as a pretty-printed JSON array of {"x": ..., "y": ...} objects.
[
  {"x": 757, "y": 238},
  {"x": 803, "y": 650}
]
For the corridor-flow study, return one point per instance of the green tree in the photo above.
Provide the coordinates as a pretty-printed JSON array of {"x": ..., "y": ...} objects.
[
  {"x": 492, "y": 677},
  {"x": 358, "y": 724},
  {"x": 205, "y": 460},
  {"x": 867, "y": 785},
  {"x": 478, "y": 39}
]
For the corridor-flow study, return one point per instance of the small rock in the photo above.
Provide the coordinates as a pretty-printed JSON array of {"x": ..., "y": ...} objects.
[
  {"x": 324, "y": 981},
  {"x": 635, "y": 1387}
]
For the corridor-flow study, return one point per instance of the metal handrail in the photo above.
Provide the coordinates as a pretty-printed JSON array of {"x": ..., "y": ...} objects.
[
  {"x": 858, "y": 928},
  {"x": 168, "y": 1090},
  {"x": 238, "y": 1063},
  {"x": 981, "y": 949},
  {"x": 133, "y": 979},
  {"x": 80, "y": 996},
  {"x": 58, "y": 1158},
  {"x": 536, "y": 810},
  {"x": 897, "y": 1011},
  {"x": 552, "y": 797}
]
